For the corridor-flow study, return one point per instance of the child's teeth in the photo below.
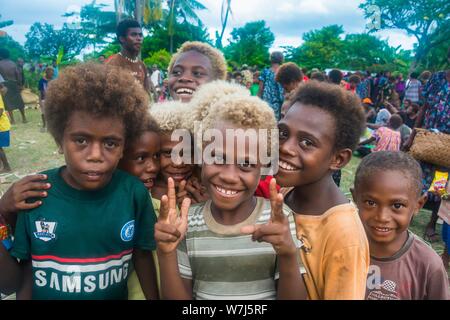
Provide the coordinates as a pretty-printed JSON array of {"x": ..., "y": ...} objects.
[
  {"x": 286, "y": 166},
  {"x": 224, "y": 191}
]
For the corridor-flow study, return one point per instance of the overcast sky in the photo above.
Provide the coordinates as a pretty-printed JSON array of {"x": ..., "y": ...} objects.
[{"x": 288, "y": 19}]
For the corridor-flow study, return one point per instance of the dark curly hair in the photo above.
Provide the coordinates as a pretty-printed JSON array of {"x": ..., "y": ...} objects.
[
  {"x": 344, "y": 106},
  {"x": 288, "y": 73},
  {"x": 318, "y": 76},
  {"x": 100, "y": 90},
  {"x": 276, "y": 57},
  {"x": 383, "y": 161},
  {"x": 354, "y": 78},
  {"x": 124, "y": 25},
  {"x": 335, "y": 76}
]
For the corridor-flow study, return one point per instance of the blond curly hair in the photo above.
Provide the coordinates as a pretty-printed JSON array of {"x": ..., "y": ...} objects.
[
  {"x": 243, "y": 111},
  {"x": 205, "y": 96},
  {"x": 169, "y": 115},
  {"x": 218, "y": 62}
]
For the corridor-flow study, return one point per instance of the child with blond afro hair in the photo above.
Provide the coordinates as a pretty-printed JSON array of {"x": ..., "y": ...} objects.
[
  {"x": 194, "y": 64},
  {"x": 233, "y": 220}
]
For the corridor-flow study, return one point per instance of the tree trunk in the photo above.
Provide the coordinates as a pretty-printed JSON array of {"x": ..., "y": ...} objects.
[
  {"x": 171, "y": 25},
  {"x": 138, "y": 6},
  {"x": 421, "y": 52},
  {"x": 118, "y": 11},
  {"x": 224, "y": 25}
]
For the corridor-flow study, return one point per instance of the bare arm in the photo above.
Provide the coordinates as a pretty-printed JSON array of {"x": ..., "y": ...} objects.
[
  {"x": 290, "y": 284},
  {"x": 277, "y": 232},
  {"x": 420, "y": 115},
  {"x": 173, "y": 287},
  {"x": 374, "y": 126},
  {"x": 15, "y": 198},
  {"x": 169, "y": 231},
  {"x": 391, "y": 108},
  {"x": 367, "y": 141},
  {"x": 11, "y": 272},
  {"x": 26, "y": 288},
  {"x": 261, "y": 89},
  {"x": 146, "y": 272}
]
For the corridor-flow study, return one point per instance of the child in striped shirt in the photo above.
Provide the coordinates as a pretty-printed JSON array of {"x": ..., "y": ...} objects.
[{"x": 235, "y": 245}]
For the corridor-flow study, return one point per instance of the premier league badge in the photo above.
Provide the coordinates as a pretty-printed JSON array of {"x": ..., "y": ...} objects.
[{"x": 45, "y": 230}]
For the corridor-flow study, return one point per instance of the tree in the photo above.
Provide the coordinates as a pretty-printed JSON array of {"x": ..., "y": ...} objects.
[
  {"x": 184, "y": 9},
  {"x": 184, "y": 31},
  {"x": 15, "y": 49},
  {"x": 380, "y": 56},
  {"x": 96, "y": 25},
  {"x": 436, "y": 58},
  {"x": 322, "y": 48},
  {"x": 225, "y": 12},
  {"x": 428, "y": 21},
  {"x": 5, "y": 23},
  {"x": 160, "y": 58},
  {"x": 43, "y": 41},
  {"x": 250, "y": 44}
]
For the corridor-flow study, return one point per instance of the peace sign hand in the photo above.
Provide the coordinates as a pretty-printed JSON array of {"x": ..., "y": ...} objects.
[
  {"x": 171, "y": 228},
  {"x": 276, "y": 231},
  {"x": 181, "y": 192}
]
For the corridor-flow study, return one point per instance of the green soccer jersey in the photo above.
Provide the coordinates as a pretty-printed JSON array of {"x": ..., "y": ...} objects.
[{"x": 81, "y": 242}]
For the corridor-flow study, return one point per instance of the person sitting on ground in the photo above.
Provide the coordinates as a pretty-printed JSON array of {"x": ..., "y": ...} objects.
[
  {"x": 387, "y": 138},
  {"x": 409, "y": 115}
]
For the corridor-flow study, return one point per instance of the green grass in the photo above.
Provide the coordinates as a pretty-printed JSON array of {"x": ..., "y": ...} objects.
[
  {"x": 33, "y": 151},
  {"x": 30, "y": 151}
]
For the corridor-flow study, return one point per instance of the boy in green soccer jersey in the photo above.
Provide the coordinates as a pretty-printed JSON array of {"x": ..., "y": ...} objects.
[{"x": 78, "y": 244}]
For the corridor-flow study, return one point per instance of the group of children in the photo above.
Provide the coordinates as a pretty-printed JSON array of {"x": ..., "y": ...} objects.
[{"x": 89, "y": 229}]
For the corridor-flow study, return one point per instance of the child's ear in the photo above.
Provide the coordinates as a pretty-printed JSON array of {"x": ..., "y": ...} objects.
[
  {"x": 340, "y": 159},
  {"x": 420, "y": 203}
]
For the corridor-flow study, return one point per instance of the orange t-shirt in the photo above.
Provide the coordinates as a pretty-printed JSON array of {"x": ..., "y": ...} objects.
[{"x": 335, "y": 253}]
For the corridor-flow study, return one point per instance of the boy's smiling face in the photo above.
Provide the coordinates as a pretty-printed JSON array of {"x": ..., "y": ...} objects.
[
  {"x": 231, "y": 186},
  {"x": 177, "y": 172},
  {"x": 387, "y": 202},
  {"x": 307, "y": 136},
  {"x": 189, "y": 71},
  {"x": 92, "y": 148},
  {"x": 141, "y": 159}
]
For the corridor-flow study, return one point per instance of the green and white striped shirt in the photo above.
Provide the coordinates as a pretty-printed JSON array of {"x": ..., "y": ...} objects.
[{"x": 225, "y": 264}]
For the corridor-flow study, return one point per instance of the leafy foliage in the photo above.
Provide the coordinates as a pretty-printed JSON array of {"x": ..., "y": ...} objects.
[
  {"x": 250, "y": 44},
  {"x": 44, "y": 41},
  {"x": 428, "y": 21},
  {"x": 160, "y": 58},
  {"x": 15, "y": 49},
  {"x": 328, "y": 48}
]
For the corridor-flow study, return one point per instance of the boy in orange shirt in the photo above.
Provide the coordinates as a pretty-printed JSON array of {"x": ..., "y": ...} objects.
[{"x": 317, "y": 136}]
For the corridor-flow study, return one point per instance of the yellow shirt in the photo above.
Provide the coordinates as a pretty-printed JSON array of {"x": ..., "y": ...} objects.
[
  {"x": 335, "y": 253},
  {"x": 134, "y": 287},
  {"x": 5, "y": 125}
]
